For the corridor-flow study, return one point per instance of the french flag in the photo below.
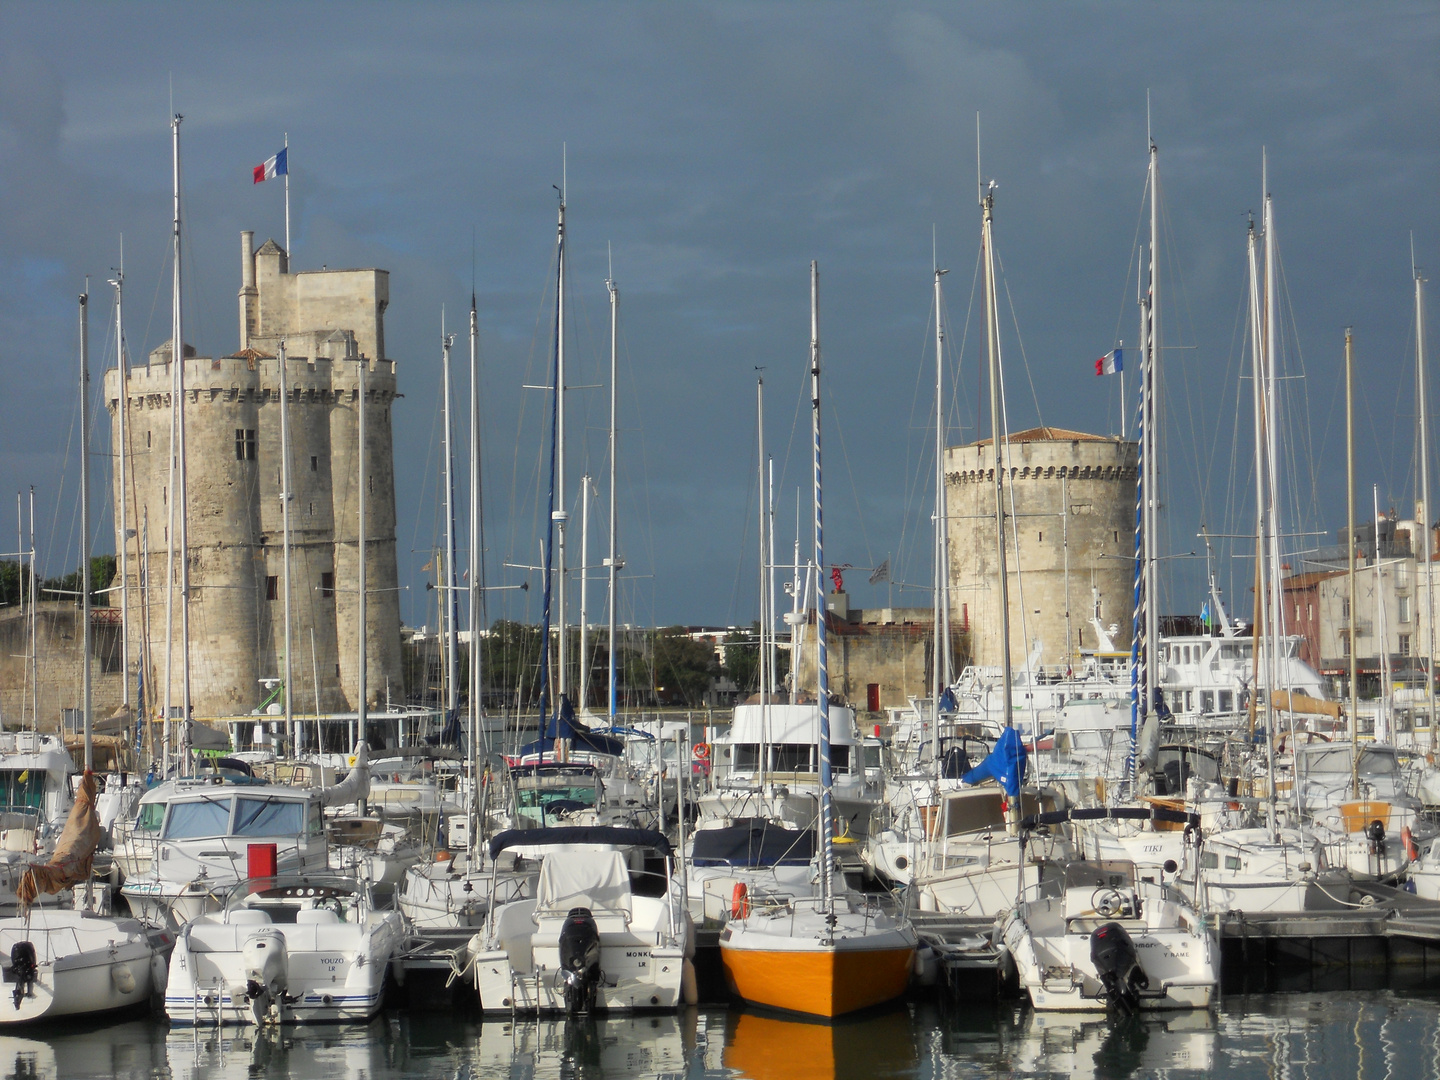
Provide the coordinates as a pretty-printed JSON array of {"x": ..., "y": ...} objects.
[
  {"x": 273, "y": 167},
  {"x": 1108, "y": 364}
]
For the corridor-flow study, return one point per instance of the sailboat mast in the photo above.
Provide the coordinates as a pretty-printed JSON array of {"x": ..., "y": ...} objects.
[
  {"x": 362, "y": 696},
  {"x": 822, "y": 691},
  {"x": 1422, "y": 392},
  {"x": 552, "y": 515},
  {"x": 122, "y": 539},
  {"x": 86, "y": 633},
  {"x": 1350, "y": 535},
  {"x": 940, "y": 673},
  {"x": 764, "y": 592},
  {"x": 992, "y": 339},
  {"x": 1381, "y": 730},
  {"x": 474, "y": 690},
  {"x": 560, "y": 516},
  {"x": 1151, "y": 381},
  {"x": 1272, "y": 421},
  {"x": 583, "y": 675},
  {"x": 612, "y": 564},
  {"x": 285, "y": 496},
  {"x": 451, "y": 593},
  {"x": 476, "y": 554},
  {"x": 1259, "y": 633}
]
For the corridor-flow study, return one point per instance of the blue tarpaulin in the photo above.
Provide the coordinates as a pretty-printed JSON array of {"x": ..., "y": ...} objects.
[
  {"x": 563, "y": 725},
  {"x": 1005, "y": 765}
]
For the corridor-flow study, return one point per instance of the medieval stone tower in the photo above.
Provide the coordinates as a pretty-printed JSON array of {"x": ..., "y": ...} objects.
[
  {"x": 331, "y": 323},
  {"x": 1075, "y": 511}
]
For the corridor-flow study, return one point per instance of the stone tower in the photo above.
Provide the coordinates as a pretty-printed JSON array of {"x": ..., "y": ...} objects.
[
  {"x": 332, "y": 325},
  {"x": 1075, "y": 507}
]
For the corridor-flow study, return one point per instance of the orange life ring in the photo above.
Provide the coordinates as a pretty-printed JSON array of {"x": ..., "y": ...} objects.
[
  {"x": 1412, "y": 849},
  {"x": 740, "y": 901},
  {"x": 702, "y": 751}
]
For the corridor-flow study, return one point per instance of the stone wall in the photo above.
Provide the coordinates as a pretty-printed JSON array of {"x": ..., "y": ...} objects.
[
  {"x": 1075, "y": 511},
  {"x": 889, "y": 646},
  {"x": 60, "y": 662}
]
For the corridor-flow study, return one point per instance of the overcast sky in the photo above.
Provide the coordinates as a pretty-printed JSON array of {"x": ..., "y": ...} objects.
[{"x": 715, "y": 150}]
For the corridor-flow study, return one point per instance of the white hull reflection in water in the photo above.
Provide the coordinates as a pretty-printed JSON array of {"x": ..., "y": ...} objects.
[{"x": 1362, "y": 1035}]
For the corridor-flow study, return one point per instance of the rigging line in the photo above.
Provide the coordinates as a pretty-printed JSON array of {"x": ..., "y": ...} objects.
[
  {"x": 647, "y": 521},
  {"x": 1020, "y": 341},
  {"x": 1306, "y": 427},
  {"x": 910, "y": 505}
]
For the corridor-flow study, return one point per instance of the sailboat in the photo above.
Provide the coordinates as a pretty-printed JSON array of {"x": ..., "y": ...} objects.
[
  {"x": 834, "y": 953},
  {"x": 70, "y": 962}
]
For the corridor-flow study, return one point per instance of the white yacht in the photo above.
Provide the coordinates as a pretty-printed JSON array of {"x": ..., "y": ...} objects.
[
  {"x": 292, "y": 948},
  {"x": 214, "y": 834},
  {"x": 785, "y": 785}
]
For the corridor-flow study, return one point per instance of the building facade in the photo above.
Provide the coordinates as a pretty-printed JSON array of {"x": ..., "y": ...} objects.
[{"x": 331, "y": 323}]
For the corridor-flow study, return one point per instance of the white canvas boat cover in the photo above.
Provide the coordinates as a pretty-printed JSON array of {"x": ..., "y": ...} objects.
[{"x": 598, "y": 880}]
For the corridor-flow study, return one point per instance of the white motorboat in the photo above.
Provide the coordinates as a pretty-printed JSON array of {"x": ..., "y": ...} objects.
[
  {"x": 292, "y": 948},
  {"x": 1097, "y": 936},
  {"x": 592, "y": 938},
  {"x": 207, "y": 837},
  {"x": 785, "y": 786}
]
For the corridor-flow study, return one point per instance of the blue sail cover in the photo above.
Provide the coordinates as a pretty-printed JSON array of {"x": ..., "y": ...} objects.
[
  {"x": 1005, "y": 764},
  {"x": 563, "y": 725}
]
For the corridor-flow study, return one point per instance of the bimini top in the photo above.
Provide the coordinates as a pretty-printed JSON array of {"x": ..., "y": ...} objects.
[
  {"x": 754, "y": 842},
  {"x": 579, "y": 834},
  {"x": 1112, "y": 813}
]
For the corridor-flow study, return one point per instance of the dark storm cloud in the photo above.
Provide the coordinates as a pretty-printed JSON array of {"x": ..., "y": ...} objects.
[{"x": 716, "y": 149}]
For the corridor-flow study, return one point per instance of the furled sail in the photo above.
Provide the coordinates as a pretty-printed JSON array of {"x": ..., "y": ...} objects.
[{"x": 70, "y": 864}]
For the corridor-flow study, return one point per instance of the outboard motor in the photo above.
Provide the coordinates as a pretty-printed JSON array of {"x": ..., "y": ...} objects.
[
  {"x": 580, "y": 960},
  {"x": 267, "y": 972},
  {"x": 24, "y": 970},
  {"x": 1375, "y": 833},
  {"x": 1113, "y": 954}
]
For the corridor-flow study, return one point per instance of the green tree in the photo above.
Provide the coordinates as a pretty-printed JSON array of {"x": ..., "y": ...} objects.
[
  {"x": 67, "y": 587},
  {"x": 684, "y": 667},
  {"x": 742, "y": 658}
]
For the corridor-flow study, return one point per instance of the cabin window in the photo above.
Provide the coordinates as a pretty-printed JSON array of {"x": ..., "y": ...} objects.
[
  {"x": 272, "y": 587},
  {"x": 244, "y": 444},
  {"x": 747, "y": 756},
  {"x": 1232, "y": 862},
  {"x": 204, "y": 817},
  {"x": 1209, "y": 860},
  {"x": 315, "y": 823},
  {"x": 21, "y": 789},
  {"x": 1207, "y": 701},
  {"x": 269, "y": 817},
  {"x": 1227, "y": 700},
  {"x": 152, "y": 815},
  {"x": 793, "y": 757}
]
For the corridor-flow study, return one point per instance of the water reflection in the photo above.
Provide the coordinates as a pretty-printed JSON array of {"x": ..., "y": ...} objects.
[{"x": 1314, "y": 1036}]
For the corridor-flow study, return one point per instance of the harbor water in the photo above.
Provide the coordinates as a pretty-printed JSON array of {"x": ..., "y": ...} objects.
[{"x": 1326, "y": 1036}]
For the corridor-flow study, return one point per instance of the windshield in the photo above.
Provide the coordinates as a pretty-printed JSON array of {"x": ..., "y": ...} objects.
[
  {"x": 204, "y": 817},
  {"x": 151, "y": 817},
  {"x": 269, "y": 817},
  {"x": 21, "y": 788}
]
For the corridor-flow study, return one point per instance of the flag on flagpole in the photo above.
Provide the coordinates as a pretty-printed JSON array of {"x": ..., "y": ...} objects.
[
  {"x": 881, "y": 573},
  {"x": 1110, "y": 363},
  {"x": 1205, "y": 614},
  {"x": 273, "y": 167}
]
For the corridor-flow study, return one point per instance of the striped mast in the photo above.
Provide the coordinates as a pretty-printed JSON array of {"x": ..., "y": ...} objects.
[{"x": 822, "y": 694}]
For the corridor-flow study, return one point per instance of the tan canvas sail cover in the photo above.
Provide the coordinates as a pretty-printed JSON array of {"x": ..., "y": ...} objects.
[{"x": 70, "y": 864}]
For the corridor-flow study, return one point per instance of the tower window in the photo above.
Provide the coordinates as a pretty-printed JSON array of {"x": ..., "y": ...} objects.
[
  {"x": 272, "y": 587},
  {"x": 244, "y": 444},
  {"x": 147, "y": 439},
  {"x": 314, "y": 463},
  {"x": 327, "y": 584}
]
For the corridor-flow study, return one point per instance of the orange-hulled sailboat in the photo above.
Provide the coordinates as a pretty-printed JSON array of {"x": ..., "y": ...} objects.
[{"x": 831, "y": 954}]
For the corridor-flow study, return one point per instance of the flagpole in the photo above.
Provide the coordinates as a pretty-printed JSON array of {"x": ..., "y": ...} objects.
[{"x": 289, "y": 254}]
